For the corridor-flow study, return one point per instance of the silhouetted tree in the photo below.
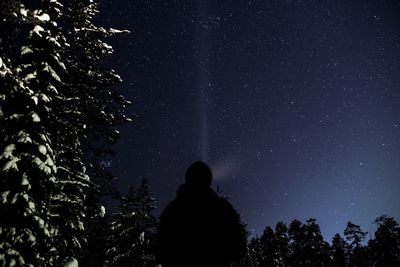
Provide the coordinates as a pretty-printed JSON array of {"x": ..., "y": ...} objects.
[
  {"x": 97, "y": 224},
  {"x": 315, "y": 249},
  {"x": 296, "y": 243},
  {"x": 385, "y": 247},
  {"x": 269, "y": 248},
  {"x": 339, "y": 251},
  {"x": 303, "y": 245},
  {"x": 254, "y": 254},
  {"x": 359, "y": 255},
  {"x": 131, "y": 240},
  {"x": 282, "y": 239}
]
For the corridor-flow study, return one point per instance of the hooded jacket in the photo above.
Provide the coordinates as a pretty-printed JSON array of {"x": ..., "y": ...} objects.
[{"x": 199, "y": 228}]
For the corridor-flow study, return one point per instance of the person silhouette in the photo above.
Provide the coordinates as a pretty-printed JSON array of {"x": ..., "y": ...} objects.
[{"x": 199, "y": 228}]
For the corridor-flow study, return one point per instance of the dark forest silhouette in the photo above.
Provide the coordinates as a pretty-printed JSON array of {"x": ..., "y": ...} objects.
[{"x": 302, "y": 244}]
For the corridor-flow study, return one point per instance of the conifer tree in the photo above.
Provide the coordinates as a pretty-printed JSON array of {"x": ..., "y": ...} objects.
[
  {"x": 254, "y": 256},
  {"x": 269, "y": 248},
  {"x": 315, "y": 250},
  {"x": 339, "y": 251},
  {"x": 296, "y": 242},
  {"x": 55, "y": 98},
  {"x": 131, "y": 239},
  {"x": 29, "y": 178},
  {"x": 282, "y": 239},
  {"x": 359, "y": 255},
  {"x": 386, "y": 245}
]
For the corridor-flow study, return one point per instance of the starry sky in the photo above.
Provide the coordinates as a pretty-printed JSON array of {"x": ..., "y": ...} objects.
[{"x": 294, "y": 104}]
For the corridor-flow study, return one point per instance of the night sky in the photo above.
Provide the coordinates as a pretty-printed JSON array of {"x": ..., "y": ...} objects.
[{"x": 294, "y": 104}]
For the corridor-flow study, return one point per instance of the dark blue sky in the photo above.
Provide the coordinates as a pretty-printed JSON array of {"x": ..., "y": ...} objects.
[{"x": 295, "y": 104}]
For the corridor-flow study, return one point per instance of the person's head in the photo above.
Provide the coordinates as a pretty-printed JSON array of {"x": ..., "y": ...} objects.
[{"x": 199, "y": 174}]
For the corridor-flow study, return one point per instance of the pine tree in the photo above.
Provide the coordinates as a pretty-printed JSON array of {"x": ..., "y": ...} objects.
[
  {"x": 282, "y": 239},
  {"x": 97, "y": 231},
  {"x": 254, "y": 256},
  {"x": 269, "y": 248},
  {"x": 315, "y": 250},
  {"x": 339, "y": 251},
  {"x": 296, "y": 243},
  {"x": 131, "y": 240},
  {"x": 99, "y": 108},
  {"x": 359, "y": 255},
  {"x": 386, "y": 245}
]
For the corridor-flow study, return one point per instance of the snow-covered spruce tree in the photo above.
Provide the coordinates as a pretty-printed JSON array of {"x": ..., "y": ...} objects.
[
  {"x": 131, "y": 239},
  {"x": 90, "y": 83},
  {"x": 53, "y": 98},
  {"x": 98, "y": 109},
  {"x": 27, "y": 164}
]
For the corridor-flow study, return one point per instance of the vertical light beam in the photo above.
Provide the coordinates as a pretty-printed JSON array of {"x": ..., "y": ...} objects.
[{"x": 202, "y": 32}]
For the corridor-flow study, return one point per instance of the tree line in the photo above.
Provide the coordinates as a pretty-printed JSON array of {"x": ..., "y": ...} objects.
[{"x": 302, "y": 244}]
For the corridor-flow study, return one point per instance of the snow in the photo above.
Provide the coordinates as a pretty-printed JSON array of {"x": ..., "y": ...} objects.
[
  {"x": 8, "y": 150},
  {"x": 24, "y": 137},
  {"x": 102, "y": 211},
  {"x": 23, "y": 12},
  {"x": 49, "y": 69},
  {"x": 59, "y": 62},
  {"x": 141, "y": 237},
  {"x": 24, "y": 180},
  {"x": 30, "y": 76},
  {"x": 35, "y": 117},
  {"x": 31, "y": 206},
  {"x": 26, "y": 50},
  {"x": 45, "y": 98},
  {"x": 42, "y": 165},
  {"x": 42, "y": 149},
  {"x": 35, "y": 99},
  {"x": 39, "y": 221},
  {"x": 37, "y": 30},
  {"x": 49, "y": 161},
  {"x": 11, "y": 164},
  {"x": 17, "y": 116},
  {"x": 43, "y": 17},
  {"x": 14, "y": 199},
  {"x": 52, "y": 89},
  {"x": 116, "y": 31},
  {"x": 4, "y": 196},
  {"x": 53, "y": 40}
]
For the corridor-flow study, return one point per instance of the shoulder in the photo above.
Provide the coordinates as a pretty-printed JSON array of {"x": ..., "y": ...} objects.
[
  {"x": 224, "y": 202},
  {"x": 170, "y": 209},
  {"x": 226, "y": 208}
]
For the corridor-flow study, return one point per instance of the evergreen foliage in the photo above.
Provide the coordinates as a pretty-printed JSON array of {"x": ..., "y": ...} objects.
[
  {"x": 339, "y": 251},
  {"x": 55, "y": 99},
  {"x": 131, "y": 239},
  {"x": 385, "y": 247},
  {"x": 303, "y": 245}
]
